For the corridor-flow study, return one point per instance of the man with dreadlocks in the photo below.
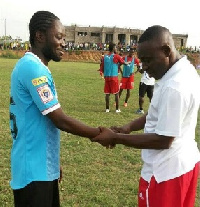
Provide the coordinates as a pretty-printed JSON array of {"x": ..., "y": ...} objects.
[
  {"x": 169, "y": 150},
  {"x": 36, "y": 117}
]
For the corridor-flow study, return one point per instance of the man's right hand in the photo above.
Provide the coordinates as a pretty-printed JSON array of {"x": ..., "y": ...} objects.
[{"x": 124, "y": 129}]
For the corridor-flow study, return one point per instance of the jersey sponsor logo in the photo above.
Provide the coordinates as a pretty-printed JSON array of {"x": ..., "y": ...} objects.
[
  {"x": 39, "y": 81},
  {"x": 141, "y": 196},
  {"x": 45, "y": 93}
]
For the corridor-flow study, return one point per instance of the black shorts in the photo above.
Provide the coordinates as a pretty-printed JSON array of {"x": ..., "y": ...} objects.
[
  {"x": 143, "y": 89},
  {"x": 38, "y": 194}
]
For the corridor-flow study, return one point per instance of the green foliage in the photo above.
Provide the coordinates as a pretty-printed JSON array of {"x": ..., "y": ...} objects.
[
  {"x": 92, "y": 175},
  {"x": 78, "y": 52},
  {"x": 10, "y": 54},
  {"x": 70, "y": 52}
]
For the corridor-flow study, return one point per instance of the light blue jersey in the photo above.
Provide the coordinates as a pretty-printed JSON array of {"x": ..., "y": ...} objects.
[
  {"x": 128, "y": 69},
  {"x": 35, "y": 154},
  {"x": 110, "y": 68}
]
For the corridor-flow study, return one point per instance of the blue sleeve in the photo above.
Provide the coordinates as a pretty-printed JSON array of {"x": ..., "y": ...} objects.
[{"x": 38, "y": 82}]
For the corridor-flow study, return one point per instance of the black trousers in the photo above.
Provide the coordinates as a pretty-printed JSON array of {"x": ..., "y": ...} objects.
[{"x": 38, "y": 194}]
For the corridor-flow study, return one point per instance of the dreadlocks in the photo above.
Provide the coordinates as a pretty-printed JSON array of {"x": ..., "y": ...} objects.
[{"x": 40, "y": 21}]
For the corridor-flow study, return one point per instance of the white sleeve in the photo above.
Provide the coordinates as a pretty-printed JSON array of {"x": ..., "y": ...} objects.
[{"x": 171, "y": 112}]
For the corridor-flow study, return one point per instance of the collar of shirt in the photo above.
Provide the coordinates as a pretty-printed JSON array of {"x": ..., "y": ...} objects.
[
  {"x": 34, "y": 55},
  {"x": 173, "y": 70}
]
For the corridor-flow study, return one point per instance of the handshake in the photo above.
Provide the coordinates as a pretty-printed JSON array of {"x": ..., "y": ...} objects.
[{"x": 109, "y": 137}]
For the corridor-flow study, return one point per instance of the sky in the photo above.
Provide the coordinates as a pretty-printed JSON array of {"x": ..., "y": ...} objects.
[{"x": 179, "y": 16}]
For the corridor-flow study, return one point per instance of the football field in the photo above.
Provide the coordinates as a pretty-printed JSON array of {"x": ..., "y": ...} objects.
[{"x": 93, "y": 176}]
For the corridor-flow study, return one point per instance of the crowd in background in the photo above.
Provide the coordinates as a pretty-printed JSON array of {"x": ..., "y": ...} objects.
[
  {"x": 71, "y": 46},
  {"x": 14, "y": 45}
]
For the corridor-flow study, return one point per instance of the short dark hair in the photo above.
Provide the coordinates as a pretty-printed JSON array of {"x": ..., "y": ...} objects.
[
  {"x": 152, "y": 32},
  {"x": 111, "y": 46},
  {"x": 40, "y": 21}
]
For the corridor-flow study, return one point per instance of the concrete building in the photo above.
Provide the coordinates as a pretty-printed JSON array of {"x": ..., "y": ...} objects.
[{"x": 127, "y": 36}]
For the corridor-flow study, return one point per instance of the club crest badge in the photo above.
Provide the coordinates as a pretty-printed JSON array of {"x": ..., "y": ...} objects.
[{"x": 45, "y": 93}]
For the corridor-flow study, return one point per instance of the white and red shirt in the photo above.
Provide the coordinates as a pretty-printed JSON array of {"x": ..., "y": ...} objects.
[{"x": 173, "y": 112}]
